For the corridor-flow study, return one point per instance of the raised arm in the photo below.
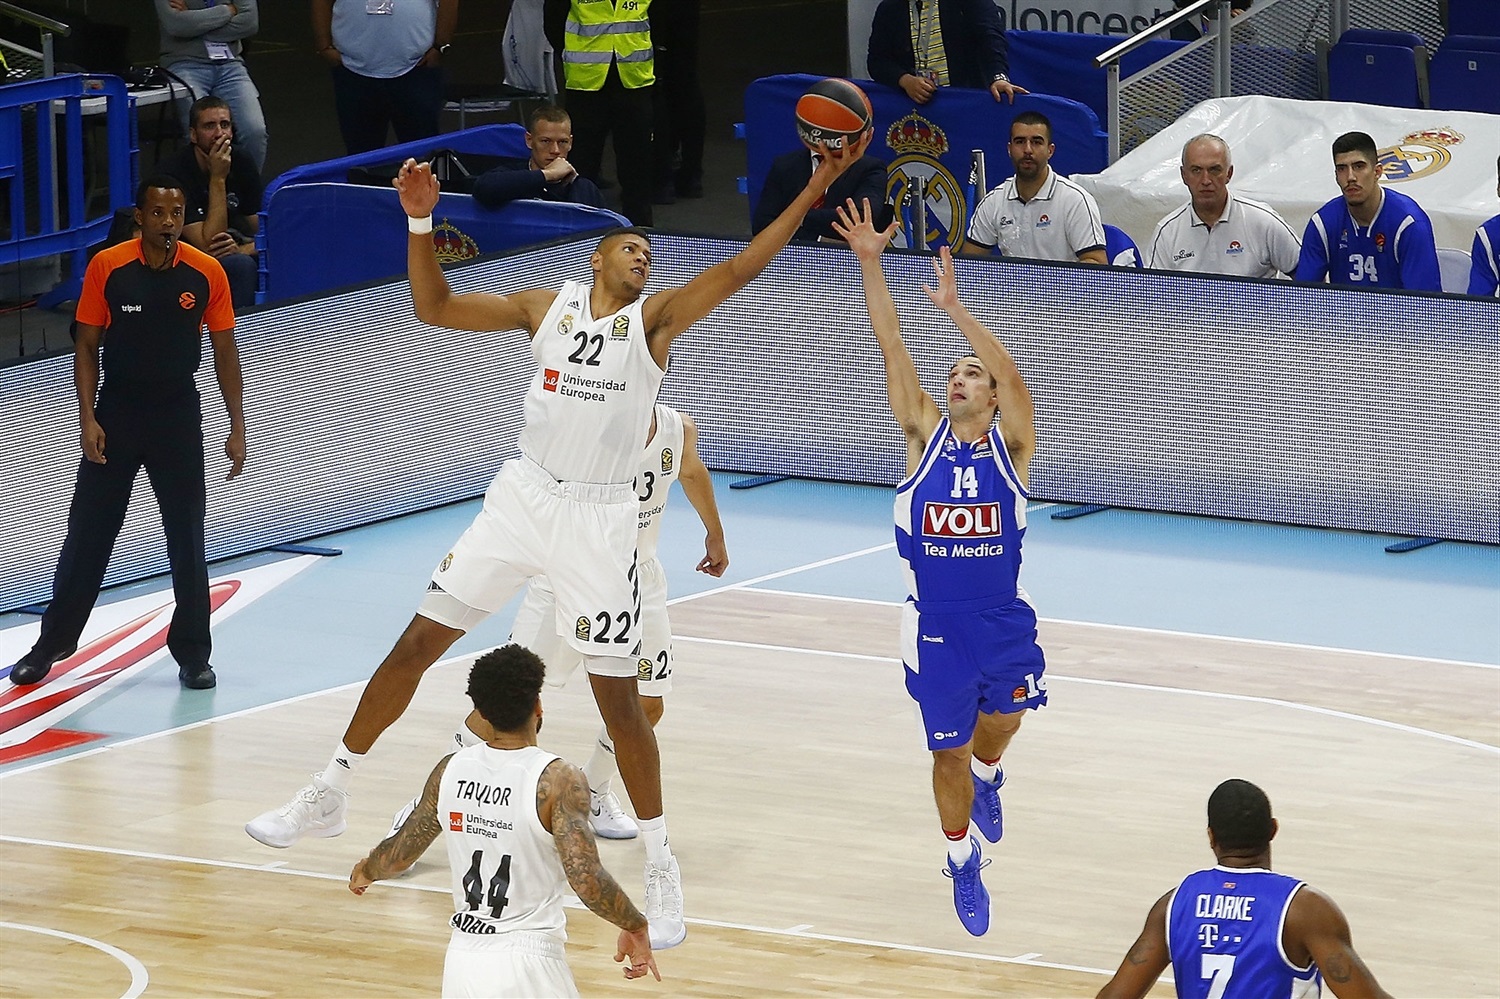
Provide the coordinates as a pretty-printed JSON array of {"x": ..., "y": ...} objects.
[
  {"x": 913, "y": 408},
  {"x": 698, "y": 487},
  {"x": 1316, "y": 928},
  {"x": 562, "y": 801},
  {"x": 1017, "y": 414},
  {"x": 668, "y": 313},
  {"x": 400, "y": 849},
  {"x": 435, "y": 302},
  {"x": 1147, "y": 958}
]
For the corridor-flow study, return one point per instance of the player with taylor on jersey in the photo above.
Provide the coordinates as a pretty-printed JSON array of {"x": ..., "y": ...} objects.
[
  {"x": 518, "y": 831},
  {"x": 968, "y": 631},
  {"x": 1238, "y": 930},
  {"x": 566, "y": 508}
]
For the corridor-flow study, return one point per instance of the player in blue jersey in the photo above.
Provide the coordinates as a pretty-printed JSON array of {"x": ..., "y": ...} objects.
[
  {"x": 1240, "y": 931},
  {"x": 968, "y": 632},
  {"x": 1369, "y": 236},
  {"x": 1484, "y": 274}
]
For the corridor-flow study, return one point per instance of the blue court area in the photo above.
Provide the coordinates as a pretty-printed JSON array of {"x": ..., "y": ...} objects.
[{"x": 330, "y": 625}]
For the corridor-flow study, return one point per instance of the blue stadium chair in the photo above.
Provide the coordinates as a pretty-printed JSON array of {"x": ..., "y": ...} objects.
[
  {"x": 1372, "y": 73},
  {"x": 1464, "y": 80},
  {"x": 1473, "y": 17},
  {"x": 1474, "y": 43},
  {"x": 1119, "y": 248}
]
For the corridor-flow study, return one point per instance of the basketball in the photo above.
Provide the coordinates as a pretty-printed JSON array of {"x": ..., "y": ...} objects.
[{"x": 832, "y": 113}]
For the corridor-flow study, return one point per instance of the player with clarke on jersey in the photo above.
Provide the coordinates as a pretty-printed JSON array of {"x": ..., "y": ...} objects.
[{"x": 968, "y": 632}]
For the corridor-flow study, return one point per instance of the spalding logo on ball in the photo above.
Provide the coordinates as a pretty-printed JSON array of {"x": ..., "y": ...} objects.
[{"x": 833, "y": 113}]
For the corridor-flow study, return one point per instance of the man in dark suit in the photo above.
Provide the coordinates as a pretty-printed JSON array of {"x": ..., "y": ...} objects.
[
  {"x": 959, "y": 43},
  {"x": 790, "y": 173}
]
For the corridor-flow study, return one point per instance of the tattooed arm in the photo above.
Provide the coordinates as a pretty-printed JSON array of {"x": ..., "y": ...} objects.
[
  {"x": 1316, "y": 930},
  {"x": 562, "y": 803},
  {"x": 402, "y": 848},
  {"x": 1146, "y": 960}
]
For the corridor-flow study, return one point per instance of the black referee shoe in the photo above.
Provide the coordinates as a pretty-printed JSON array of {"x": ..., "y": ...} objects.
[
  {"x": 197, "y": 677},
  {"x": 33, "y": 666}
]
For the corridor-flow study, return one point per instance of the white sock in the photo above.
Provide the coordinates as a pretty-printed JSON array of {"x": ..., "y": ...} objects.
[
  {"x": 984, "y": 771},
  {"x": 341, "y": 768},
  {"x": 654, "y": 834},
  {"x": 465, "y": 737},
  {"x": 601, "y": 768},
  {"x": 960, "y": 850}
]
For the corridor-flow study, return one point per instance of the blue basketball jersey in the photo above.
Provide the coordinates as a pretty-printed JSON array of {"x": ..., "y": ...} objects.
[
  {"x": 1397, "y": 250},
  {"x": 959, "y": 522},
  {"x": 1224, "y": 933}
]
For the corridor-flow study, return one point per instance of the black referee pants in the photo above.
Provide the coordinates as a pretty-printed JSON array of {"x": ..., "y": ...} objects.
[{"x": 159, "y": 429}]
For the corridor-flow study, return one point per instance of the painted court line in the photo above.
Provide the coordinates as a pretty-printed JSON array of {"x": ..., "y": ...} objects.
[
  {"x": 1137, "y": 629},
  {"x": 1217, "y": 695},
  {"x": 139, "y": 978},
  {"x": 799, "y": 931}
]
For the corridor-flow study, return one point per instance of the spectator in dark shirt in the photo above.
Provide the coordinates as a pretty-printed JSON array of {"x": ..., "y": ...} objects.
[
  {"x": 222, "y": 189},
  {"x": 789, "y": 174},
  {"x": 547, "y": 174},
  {"x": 921, "y": 45},
  {"x": 1195, "y": 28}
]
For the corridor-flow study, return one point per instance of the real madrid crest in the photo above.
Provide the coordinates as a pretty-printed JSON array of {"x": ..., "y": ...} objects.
[
  {"x": 919, "y": 145},
  {"x": 452, "y": 244},
  {"x": 1418, "y": 154}
]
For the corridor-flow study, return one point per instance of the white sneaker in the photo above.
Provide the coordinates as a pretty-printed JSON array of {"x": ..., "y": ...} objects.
[
  {"x": 608, "y": 818},
  {"x": 317, "y": 810},
  {"x": 396, "y": 823},
  {"x": 664, "y": 919}
]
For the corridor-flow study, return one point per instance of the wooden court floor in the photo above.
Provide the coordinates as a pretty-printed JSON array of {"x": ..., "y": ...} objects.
[{"x": 799, "y": 807}]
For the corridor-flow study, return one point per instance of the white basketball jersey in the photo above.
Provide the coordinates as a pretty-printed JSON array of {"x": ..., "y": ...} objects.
[
  {"x": 659, "y": 467},
  {"x": 589, "y": 404},
  {"x": 506, "y": 872}
]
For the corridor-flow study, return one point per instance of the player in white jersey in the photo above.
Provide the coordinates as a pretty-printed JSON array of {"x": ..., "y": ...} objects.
[
  {"x": 565, "y": 508},
  {"x": 518, "y": 833},
  {"x": 1240, "y": 931},
  {"x": 671, "y": 455}
]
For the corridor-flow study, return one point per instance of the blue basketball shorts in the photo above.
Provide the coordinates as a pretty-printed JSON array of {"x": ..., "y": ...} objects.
[{"x": 963, "y": 659}]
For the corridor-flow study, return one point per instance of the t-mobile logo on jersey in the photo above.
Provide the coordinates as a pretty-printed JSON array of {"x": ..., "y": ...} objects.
[
  {"x": 549, "y": 379},
  {"x": 961, "y": 520}
]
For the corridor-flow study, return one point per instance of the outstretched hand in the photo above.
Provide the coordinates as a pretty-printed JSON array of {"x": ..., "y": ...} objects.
[
  {"x": 832, "y": 162},
  {"x": 417, "y": 187},
  {"x": 856, "y": 226},
  {"x": 945, "y": 295}
]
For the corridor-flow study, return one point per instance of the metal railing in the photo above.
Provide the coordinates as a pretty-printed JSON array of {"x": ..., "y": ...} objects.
[{"x": 48, "y": 26}]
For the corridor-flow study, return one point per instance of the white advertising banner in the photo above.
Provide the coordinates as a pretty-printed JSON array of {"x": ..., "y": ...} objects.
[
  {"x": 1087, "y": 17},
  {"x": 1282, "y": 154}
]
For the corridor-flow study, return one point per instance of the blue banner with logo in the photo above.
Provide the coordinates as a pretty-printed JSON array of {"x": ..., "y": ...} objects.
[
  {"x": 322, "y": 236},
  {"x": 933, "y": 141}
]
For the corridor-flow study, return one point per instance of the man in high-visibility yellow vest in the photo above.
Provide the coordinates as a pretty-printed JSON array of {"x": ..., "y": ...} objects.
[{"x": 608, "y": 74}]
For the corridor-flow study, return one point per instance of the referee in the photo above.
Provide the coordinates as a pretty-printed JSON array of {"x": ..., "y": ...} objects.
[{"x": 153, "y": 296}]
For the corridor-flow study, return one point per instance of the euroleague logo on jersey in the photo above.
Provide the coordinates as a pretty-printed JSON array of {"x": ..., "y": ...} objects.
[{"x": 961, "y": 520}]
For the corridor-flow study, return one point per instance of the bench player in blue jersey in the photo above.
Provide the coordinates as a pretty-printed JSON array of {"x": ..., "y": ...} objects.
[
  {"x": 1369, "y": 236},
  {"x": 1240, "y": 931},
  {"x": 968, "y": 633}
]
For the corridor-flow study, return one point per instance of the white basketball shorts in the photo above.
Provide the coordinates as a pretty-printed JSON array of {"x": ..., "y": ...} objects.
[
  {"x": 538, "y": 627},
  {"x": 517, "y": 963},
  {"x": 580, "y": 535}
]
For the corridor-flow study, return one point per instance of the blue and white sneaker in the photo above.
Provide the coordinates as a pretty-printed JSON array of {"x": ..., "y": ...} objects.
[
  {"x": 970, "y": 898},
  {"x": 985, "y": 811}
]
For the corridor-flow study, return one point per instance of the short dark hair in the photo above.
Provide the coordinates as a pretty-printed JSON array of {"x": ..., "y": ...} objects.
[
  {"x": 504, "y": 685},
  {"x": 1356, "y": 142},
  {"x": 160, "y": 180},
  {"x": 547, "y": 112},
  {"x": 208, "y": 103},
  {"x": 1239, "y": 816},
  {"x": 1032, "y": 118},
  {"x": 622, "y": 231}
]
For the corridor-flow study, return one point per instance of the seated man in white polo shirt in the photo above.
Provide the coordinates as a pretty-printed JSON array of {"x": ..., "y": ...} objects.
[
  {"x": 1037, "y": 213},
  {"x": 1218, "y": 232}
]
